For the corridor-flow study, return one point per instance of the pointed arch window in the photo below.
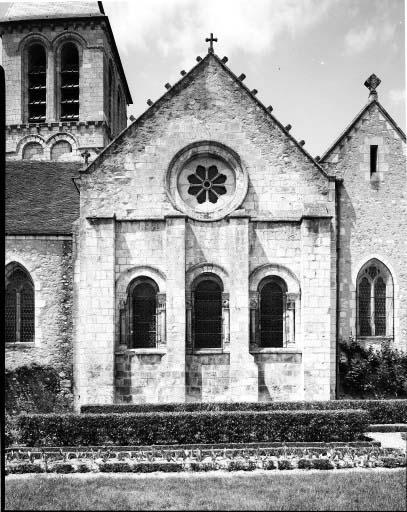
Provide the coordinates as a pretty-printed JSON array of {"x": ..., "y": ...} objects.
[
  {"x": 19, "y": 305},
  {"x": 374, "y": 300},
  {"x": 69, "y": 82},
  {"x": 37, "y": 83}
]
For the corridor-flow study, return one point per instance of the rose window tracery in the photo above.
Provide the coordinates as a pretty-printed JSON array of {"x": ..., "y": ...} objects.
[{"x": 206, "y": 184}]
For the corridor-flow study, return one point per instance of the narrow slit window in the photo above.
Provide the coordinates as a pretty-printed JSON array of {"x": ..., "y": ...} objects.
[
  {"x": 37, "y": 84},
  {"x": 69, "y": 83},
  {"x": 373, "y": 159}
]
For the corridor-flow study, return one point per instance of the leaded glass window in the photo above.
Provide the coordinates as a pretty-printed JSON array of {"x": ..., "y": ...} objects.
[
  {"x": 19, "y": 307},
  {"x": 144, "y": 304},
  {"x": 208, "y": 314},
  {"x": 272, "y": 309},
  {"x": 374, "y": 300}
]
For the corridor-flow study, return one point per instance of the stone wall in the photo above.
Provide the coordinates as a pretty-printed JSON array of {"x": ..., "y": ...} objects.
[
  {"x": 372, "y": 215},
  {"x": 94, "y": 129},
  {"x": 48, "y": 259},
  {"x": 272, "y": 230}
]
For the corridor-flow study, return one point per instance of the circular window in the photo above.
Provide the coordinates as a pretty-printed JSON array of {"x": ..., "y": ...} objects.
[{"x": 206, "y": 181}]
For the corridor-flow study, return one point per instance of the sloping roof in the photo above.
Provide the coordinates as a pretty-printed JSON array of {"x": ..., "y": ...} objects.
[
  {"x": 356, "y": 119},
  {"x": 178, "y": 86},
  {"x": 31, "y": 10},
  {"x": 41, "y": 197}
]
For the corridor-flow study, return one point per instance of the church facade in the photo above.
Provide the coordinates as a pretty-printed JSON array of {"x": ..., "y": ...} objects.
[{"x": 200, "y": 254}]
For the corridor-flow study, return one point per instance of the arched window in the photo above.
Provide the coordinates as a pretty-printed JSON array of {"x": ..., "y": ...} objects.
[
  {"x": 119, "y": 111},
  {"x": 69, "y": 82},
  {"x": 143, "y": 313},
  {"x": 272, "y": 312},
  {"x": 208, "y": 314},
  {"x": 37, "y": 83},
  {"x": 110, "y": 97},
  {"x": 19, "y": 307},
  {"x": 31, "y": 149},
  {"x": 60, "y": 148},
  {"x": 374, "y": 300}
]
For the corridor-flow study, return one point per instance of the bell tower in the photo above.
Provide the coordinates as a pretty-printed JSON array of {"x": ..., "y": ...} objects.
[{"x": 66, "y": 91}]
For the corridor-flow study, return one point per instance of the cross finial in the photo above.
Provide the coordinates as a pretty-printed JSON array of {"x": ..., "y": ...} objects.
[
  {"x": 372, "y": 83},
  {"x": 211, "y": 40}
]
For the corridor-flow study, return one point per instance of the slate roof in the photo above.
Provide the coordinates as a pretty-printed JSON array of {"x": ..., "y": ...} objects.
[
  {"x": 41, "y": 197},
  {"x": 25, "y": 10},
  {"x": 356, "y": 119}
]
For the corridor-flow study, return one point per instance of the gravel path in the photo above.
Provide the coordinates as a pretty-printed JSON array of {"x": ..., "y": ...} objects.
[
  {"x": 389, "y": 439},
  {"x": 187, "y": 474}
]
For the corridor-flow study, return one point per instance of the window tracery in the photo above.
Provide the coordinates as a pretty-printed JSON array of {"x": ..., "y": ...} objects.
[{"x": 374, "y": 300}]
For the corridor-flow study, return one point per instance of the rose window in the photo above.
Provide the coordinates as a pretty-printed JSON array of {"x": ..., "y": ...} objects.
[{"x": 206, "y": 184}]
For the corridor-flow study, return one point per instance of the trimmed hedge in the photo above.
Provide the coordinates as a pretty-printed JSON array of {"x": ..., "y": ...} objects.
[
  {"x": 156, "y": 428},
  {"x": 381, "y": 411}
]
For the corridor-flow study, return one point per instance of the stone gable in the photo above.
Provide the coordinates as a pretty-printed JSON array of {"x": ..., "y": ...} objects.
[
  {"x": 208, "y": 104},
  {"x": 372, "y": 211}
]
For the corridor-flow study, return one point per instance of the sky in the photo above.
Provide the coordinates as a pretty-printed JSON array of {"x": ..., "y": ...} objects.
[{"x": 307, "y": 58}]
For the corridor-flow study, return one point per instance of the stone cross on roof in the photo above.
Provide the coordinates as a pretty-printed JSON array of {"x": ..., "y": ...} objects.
[
  {"x": 372, "y": 83},
  {"x": 211, "y": 40}
]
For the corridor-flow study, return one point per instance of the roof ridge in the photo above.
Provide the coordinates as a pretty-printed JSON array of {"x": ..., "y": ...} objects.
[
  {"x": 356, "y": 119},
  {"x": 234, "y": 76}
]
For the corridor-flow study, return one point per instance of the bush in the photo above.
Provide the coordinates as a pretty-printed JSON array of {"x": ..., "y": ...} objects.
[
  {"x": 61, "y": 467},
  {"x": 24, "y": 467},
  {"x": 284, "y": 464},
  {"x": 322, "y": 464},
  {"x": 393, "y": 462},
  {"x": 305, "y": 464},
  {"x": 35, "y": 388},
  {"x": 381, "y": 411},
  {"x": 269, "y": 464},
  {"x": 151, "y": 467},
  {"x": 190, "y": 427},
  {"x": 241, "y": 465},
  {"x": 115, "y": 467},
  {"x": 203, "y": 466},
  {"x": 10, "y": 430},
  {"x": 367, "y": 372}
]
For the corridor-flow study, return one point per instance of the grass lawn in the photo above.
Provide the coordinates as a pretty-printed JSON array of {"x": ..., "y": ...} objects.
[{"x": 283, "y": 490}]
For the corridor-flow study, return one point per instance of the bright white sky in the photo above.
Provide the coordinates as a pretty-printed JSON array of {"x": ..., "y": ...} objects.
[{"x": 307, "y": 58}]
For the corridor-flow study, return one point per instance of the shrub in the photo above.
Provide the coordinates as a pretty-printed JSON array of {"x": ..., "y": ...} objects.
[
  {"x": 241, "y": 465},
  {"x": 269, "y": 464},
  {"x": 393, "y": 461},
  {"x": 190, "y": 427},
  {"x": 368, "y": 372},
  {"x": 61, "y": 467},
  {"x": 322, "y": 464},
  {"x": 151, "y": 467},
  {"x": 35, "y": 388},
  {"x": 203, "y": 466},
  {"x": 115, "y": 467},
  {"x": 305, "y": 464},
  {"x": 284, "y": 464},
  {"x": 83, "y": 468},
  {"x": 24, "y": 467},
  {"x": 10, "y": 430},
  {"x": 381, "y": 411}
]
